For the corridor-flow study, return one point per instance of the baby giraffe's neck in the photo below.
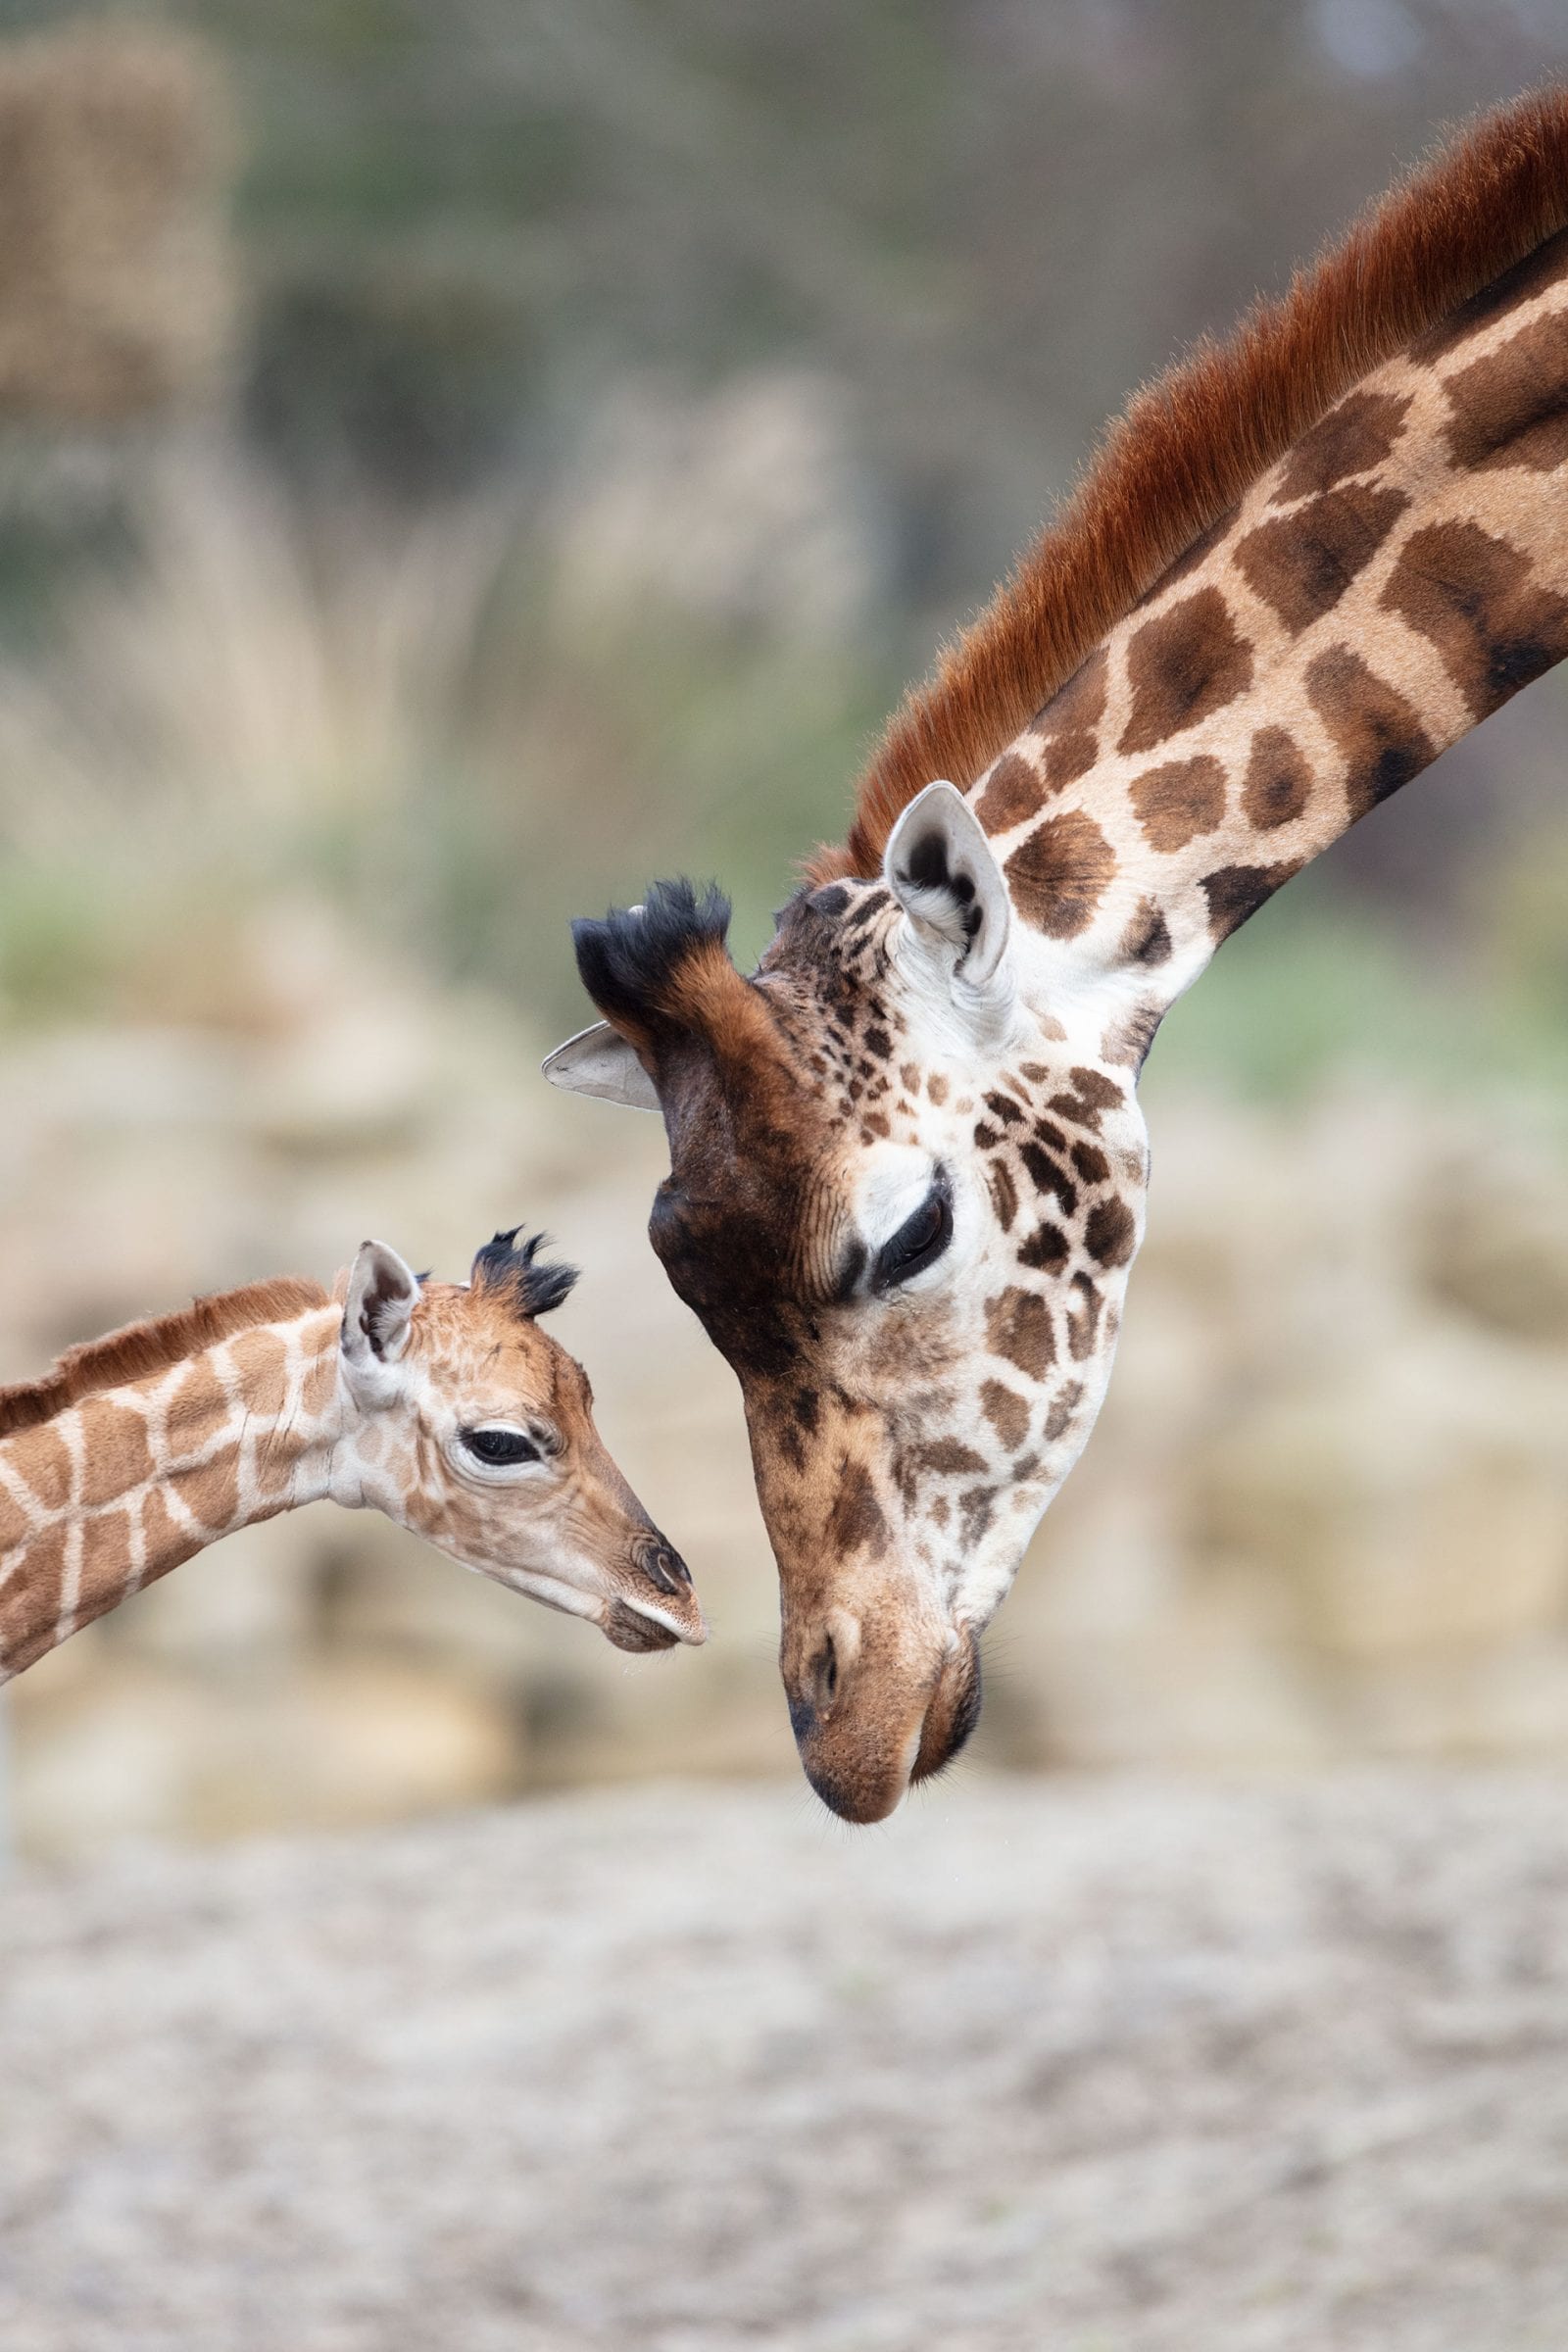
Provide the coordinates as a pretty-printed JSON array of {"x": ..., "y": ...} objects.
[{"x": 115, "y": 1485}]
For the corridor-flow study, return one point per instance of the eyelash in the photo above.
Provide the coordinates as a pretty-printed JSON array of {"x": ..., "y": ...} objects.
[
  {"x": 514, "y": 1448},
  {"x": 919, "y": 1242}
]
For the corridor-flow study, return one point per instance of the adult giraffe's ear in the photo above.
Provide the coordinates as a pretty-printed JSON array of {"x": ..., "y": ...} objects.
[
  {"x": 382, "y": 1294},
  {"x": 599, "y": 1061},
  {"x": 939, "y": 866}
]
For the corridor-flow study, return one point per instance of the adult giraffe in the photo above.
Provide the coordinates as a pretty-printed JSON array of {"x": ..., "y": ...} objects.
[{"x": 907, "y": 1159}]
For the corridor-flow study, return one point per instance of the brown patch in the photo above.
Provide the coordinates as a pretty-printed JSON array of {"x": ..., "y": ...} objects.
[
  {"x": 1236, "y": 892},
  {"x": 1375, "y": 730},
  {"x": 1077, "y": 708},
  {"x": 1128, "y": 1040},
  {"x": 1013, "y": 790},
  {"x": 1006, "y": 1411},
  {"x": 106, "y": 1541},
  {"x": 1147, "y": 938},
  {"x": 1352, "y": 439},
  {"x": 211, "y": 1491},
  {"x": 169, "y": 1542},
  {"x": 976, "y": 1509},
  {"x": 115, "y": 1454},
  {"x": 945, "y": 1457},
  {"x": 1196, "y": 439},
  {"x": 1111, "y": 1233},
  {"x": 1303, "y": 563},
  {"x": 1083, "y": 1318},
  {"x": 45, "y": 1464},
  {"x": 1493, "y": 625},
  {"x": 1091, "y": 1162},
  {"x": 1183, "y": 667},
  {"x": 1060, "y": 873},
  {"x": 1048, "y": 1175},
  {"x": 1063, "y": 1405},
  {"x": 1003, "y": 1193},
  {"x": 29, "y": 1600},
  {"x": 1511, "y": 407},
  {"x": 1018, "y": 1326},
  {"x": 857, "y": 1522},
  {"x": 1176, "y": 803},
  {"x": 198, "y": 1411},
  {"x": 936, "y": 1086},
  {"x": 1279, "y": 780},
  {"x": 320, "y": 1380},
  {"x": 1046, "y": 1250},
  {"x": 14, "y": 1523}
]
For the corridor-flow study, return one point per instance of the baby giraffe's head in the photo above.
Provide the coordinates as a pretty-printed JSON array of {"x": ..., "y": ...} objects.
[{"x": 465, "y": 1422}]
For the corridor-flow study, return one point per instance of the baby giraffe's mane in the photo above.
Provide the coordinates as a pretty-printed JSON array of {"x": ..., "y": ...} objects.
[
  {"x": 141, "y": 1350},
  {"x": 1193, "y": 441}
]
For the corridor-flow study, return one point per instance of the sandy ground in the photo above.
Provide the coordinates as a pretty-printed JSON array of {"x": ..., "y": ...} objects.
[{"x": 1107, "y": 2066}]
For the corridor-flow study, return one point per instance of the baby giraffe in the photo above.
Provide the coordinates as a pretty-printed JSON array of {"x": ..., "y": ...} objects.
[{"x": 442, "y": 1405}]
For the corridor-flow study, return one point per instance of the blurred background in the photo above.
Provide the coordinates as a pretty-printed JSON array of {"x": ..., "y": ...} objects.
[{"x": 460, "y": 460}]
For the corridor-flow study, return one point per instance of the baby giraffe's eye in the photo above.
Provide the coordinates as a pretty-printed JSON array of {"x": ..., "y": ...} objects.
[{"x": 500, "y": 1445}]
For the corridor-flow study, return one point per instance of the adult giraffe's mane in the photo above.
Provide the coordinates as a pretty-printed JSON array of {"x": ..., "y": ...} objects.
[
  {"x": 1191, "y": 442},
  {"x": 141, "y": 1350}
]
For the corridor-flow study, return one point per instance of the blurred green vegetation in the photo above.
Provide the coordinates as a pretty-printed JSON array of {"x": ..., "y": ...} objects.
[{"x": 352, "y": 651}]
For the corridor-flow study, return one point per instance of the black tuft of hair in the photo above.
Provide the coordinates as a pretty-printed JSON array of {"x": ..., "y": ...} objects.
[
  {"x": 505, "y": 1264},
  {"x": 628, "y": 960}
]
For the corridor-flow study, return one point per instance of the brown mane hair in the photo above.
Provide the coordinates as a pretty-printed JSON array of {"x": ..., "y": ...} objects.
[
  {"x": 1189, "y": 445},
  {"x": 141, "y": 1350}
]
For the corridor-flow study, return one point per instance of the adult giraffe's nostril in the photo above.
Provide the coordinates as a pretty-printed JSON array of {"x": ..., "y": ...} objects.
[{"x": 825, "y": 1677}]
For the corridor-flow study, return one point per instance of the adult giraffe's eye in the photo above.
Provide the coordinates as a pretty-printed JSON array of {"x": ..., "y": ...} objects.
[
  {"x": 920, "y": 1240},
  {"x": 500, "y": 1447}
]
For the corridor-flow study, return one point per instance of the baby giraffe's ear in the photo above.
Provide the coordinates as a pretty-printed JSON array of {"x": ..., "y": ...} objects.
[
  {"x": 939, "y": 866},
  {"x": 382, "y": 1294}
]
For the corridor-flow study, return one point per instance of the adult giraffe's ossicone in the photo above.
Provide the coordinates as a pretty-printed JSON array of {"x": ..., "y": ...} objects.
[{"x": 908, "y": 1160}]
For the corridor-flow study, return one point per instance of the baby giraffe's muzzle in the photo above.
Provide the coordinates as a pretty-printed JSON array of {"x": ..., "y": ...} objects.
[{"x": 657, "y": 1606}]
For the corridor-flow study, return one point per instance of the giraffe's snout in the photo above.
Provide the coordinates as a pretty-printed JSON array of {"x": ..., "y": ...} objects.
[
  {"x": 872, "y": 1710},
  {"x": 655, "y": 1606}
]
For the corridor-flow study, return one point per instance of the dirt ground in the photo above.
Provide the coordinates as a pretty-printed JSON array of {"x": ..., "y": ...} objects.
[{"x": 1107, "y": 2067}]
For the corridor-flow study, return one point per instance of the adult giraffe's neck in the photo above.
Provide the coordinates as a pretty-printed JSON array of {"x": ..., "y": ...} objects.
[
  {"x": 1396, "y": 575},
  {"x": 123, "y": 1484}
]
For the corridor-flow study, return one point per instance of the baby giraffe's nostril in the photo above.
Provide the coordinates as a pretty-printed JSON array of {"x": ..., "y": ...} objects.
[
  {"x": 664, "y": 1568},
  {"x": 825, "y": 1676}
]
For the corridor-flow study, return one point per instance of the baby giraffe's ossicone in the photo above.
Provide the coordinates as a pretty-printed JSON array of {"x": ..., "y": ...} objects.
[{"x": 442, "y": 1405}]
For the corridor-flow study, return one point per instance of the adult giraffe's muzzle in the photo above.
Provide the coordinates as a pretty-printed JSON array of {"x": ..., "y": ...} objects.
[{"x": 876, "y": 1702}]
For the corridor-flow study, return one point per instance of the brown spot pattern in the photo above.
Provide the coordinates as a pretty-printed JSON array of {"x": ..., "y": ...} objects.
[
  {"x": 1352, "y": 438},
  {"x": 1183, "y": 665},
  {"x": 1018, "y": 1327},
  {"x": 115, "y": 1455},
  {"x": 1006, "y": 1411},
  {"x": 1279, "y": 780},
  {"x": 1303, "y": 563},
  {"x": 1178, "y": 801},
  {"x": 855, "y": 1522},
  {"x": 1511, "y": 407},
  {"x": 1110, "y": 1233},
  {"x": 1060, "y": 873},
  {"x": 1375, "y": 730},
  {"x": 1236, "y": 892},
  {"x": 1474, "y": 597},
  {"x": 1013, "y": 790}
]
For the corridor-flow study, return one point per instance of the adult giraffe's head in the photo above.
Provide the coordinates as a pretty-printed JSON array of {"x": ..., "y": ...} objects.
[{"x": 905, "y": 1189}]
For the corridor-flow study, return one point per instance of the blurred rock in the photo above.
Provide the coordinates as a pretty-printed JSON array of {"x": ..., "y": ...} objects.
[{"x": 1325, "y": 1512}]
